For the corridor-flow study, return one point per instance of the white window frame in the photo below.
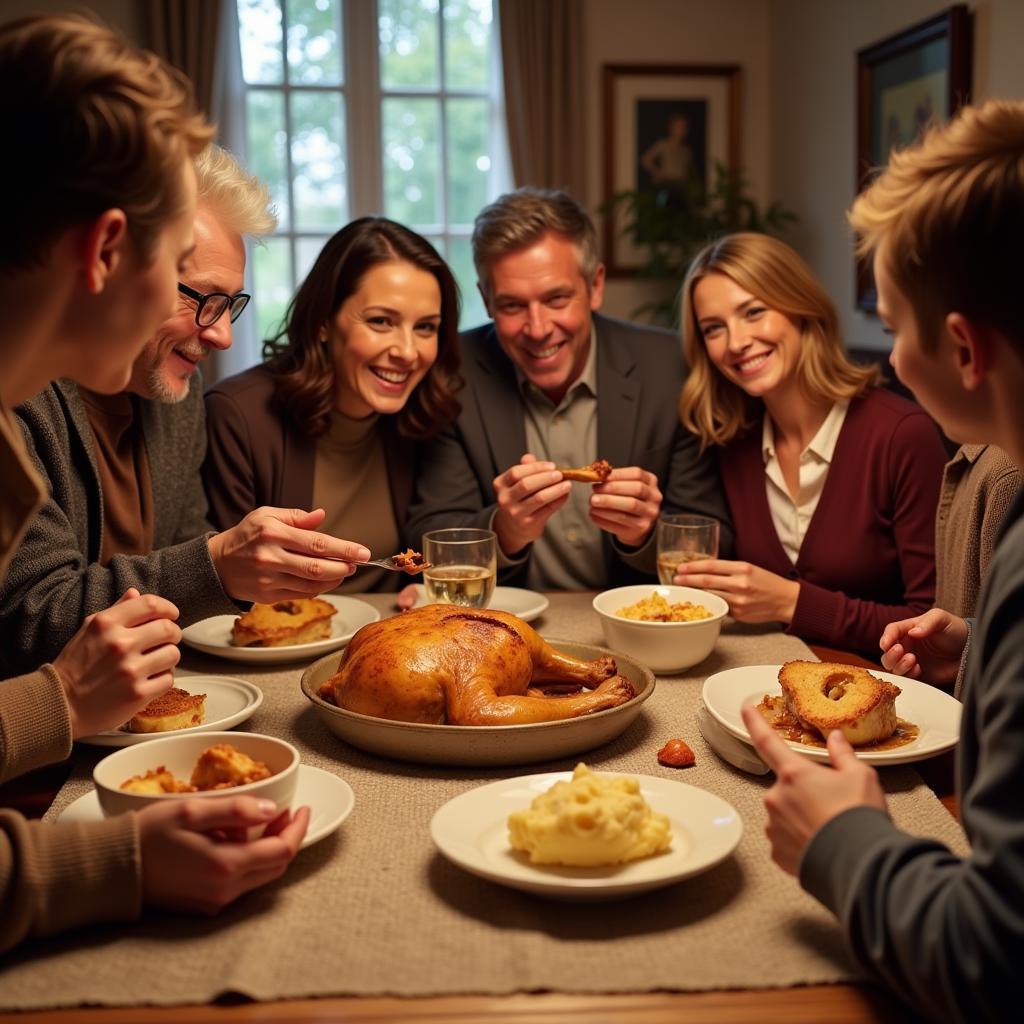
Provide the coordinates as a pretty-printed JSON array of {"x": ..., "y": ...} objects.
[{"x": 363, "y": 92}]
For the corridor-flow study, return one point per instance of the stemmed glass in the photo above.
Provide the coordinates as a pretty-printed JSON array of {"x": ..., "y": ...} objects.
[
  {"x": 684, "y": 538},
  {"x": 463, "y": 566}
]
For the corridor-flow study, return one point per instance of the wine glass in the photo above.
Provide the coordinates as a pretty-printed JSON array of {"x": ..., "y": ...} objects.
[
  {"x": 463, "y": 566},
  {"x": 684, "y": 538}
]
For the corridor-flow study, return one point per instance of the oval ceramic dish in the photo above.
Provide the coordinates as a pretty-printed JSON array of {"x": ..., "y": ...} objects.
[{"x": 482, "y": 745}]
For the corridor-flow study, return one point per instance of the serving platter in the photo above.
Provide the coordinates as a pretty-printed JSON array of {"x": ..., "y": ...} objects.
[
  {"x": 229, "y": 702},
  {"x": 213, "y": 635},
  {"x": 483, "y": 745},
  {"x": 933, "y": 711},
  {"x": 471, "y": 831}
]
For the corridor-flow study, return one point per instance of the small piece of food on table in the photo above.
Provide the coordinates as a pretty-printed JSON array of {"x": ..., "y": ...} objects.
[
  {"x": 174, "y": 709},
  {"x": 591, "y": 821},
  {"x": 677, "y": 754},
  {"x": 284, "y": 623},
  {"x": 657, "y": 608},
  {"x": 822, "y": 696},
  {"x": 596, "y": 473},
  {"x": 410, "y": 561},
  {"x": 218, "y": 767}
]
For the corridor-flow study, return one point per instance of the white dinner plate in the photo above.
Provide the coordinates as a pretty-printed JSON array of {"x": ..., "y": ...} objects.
[
  {"x": 472, "y": 831},
  {"x": 330, "y": 801},
  {"x": 228, "y": 703},
  {"x": 524, "y": 604},
  {"x": 213, "y": 635},
  {"x": 933, "y": 711}
]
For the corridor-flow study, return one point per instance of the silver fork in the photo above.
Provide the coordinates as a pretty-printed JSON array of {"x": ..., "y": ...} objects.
[{"x": 389, "y": 564}]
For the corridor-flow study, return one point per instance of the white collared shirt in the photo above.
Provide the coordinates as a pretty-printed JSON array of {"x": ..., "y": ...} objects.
[{"x": 791, "y": 518}]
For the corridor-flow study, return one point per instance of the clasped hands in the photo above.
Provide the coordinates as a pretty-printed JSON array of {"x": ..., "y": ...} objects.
[{"x": 532, "y": 491}]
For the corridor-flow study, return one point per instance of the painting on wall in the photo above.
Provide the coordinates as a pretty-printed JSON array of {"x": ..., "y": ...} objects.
[
  {"x": 904, "y": 83},
  {"x": 665, "y": 128}
]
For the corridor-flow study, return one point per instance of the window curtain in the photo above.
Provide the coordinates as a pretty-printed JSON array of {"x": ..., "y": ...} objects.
[
  {"x": 542, "y": 57},
  {"x": 184, "y": 33}
]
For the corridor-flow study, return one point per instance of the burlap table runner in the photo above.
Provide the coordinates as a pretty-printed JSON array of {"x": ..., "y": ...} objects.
[{"x": 375, "y": 910}]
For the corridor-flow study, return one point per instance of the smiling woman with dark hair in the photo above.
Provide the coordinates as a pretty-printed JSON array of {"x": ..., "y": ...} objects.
[{"x": 365, "y": 367}]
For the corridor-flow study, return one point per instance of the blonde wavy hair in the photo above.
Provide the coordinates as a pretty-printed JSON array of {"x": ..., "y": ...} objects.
[
  {"x": 948, "y": 214},
  {"x": 240, "y": 198},
  {"x": 99, "y": 125},
  {"x": 715, "y": 409}
]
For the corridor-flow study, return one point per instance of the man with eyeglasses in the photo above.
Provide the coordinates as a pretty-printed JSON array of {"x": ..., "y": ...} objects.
[{"x": 127, "y": 505}]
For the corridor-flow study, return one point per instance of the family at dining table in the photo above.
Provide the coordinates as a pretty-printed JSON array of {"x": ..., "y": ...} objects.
[{"x": 134, "y": 505}]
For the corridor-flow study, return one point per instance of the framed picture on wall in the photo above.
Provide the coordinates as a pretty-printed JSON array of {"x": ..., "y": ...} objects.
[
  {"x": 665, "y": 128},
  {"x": 904, "y": 83}
]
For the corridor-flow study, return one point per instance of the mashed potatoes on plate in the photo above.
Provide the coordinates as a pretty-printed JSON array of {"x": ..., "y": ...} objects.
[{"x": 592, "y": 820}]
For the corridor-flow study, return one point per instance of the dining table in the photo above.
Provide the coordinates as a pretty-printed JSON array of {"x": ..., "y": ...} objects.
[{"x": 373, "y": 924}]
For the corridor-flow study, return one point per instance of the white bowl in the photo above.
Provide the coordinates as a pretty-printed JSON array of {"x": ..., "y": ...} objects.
[
  {"x": 178, "y": 754},
  {"x": 482, "y": 745},
  {"x": 661, "y": 646}
]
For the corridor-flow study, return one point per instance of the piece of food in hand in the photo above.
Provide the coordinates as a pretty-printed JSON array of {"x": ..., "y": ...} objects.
[
  {"x": 590, "y": 821},
  {"x": 284, "y": 623},
  {"x": 447, "y": 665},
  {"x": 222, "y": 767},
  {"x": 156, "y": 781},
  {"x": 410, "y": 561},
  {"x": 677, "y": 754},
  {"x": 596, "y": 473},
  {"x": 824, "y": 696},
  {"x": 174, "y": 709},
  {"x": 657, "y": 609}
]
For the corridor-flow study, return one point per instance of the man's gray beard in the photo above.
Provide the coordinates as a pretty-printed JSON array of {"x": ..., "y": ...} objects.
[{"x": 161, "y": 392}]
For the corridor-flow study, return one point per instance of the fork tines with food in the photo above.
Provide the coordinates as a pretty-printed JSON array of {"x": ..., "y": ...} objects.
[{"x": 407, "y": 561}]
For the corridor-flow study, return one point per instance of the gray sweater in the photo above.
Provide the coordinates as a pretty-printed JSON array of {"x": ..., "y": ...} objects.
[
  {"x": 55, "y": 579},
  {"x": 948, "y": 934}
]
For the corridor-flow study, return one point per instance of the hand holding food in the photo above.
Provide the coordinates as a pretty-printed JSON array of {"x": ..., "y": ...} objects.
[
  {"x": 275, "y": 554},
  {"x": 627, "y": 504},
  {"x": 754, "y": 594},
  {"x": 186, "y": 865},
  {"x": 118, "y": 661},
  {"x": 806, "y": 795},
  {"x": 527, "y": 495},
  {"x": 590, "y": 821},
  {"x": 927, "y": 646}
]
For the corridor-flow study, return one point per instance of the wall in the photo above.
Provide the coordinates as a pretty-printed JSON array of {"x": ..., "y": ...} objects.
[
  {"x": 679, "y": 32},
  {"x": 813, "y": 162}
]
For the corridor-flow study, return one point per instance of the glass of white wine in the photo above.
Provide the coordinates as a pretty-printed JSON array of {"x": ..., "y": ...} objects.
[
  {"x": 684, "y": 538},
  {"x": 463, "y": 566}
]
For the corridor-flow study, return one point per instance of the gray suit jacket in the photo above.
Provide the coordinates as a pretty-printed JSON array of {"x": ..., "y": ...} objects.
[
  {"x": 55, "y": 579},
  {"x": 640, "y": 373}
]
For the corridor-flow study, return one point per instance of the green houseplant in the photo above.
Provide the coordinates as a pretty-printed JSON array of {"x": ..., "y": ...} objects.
[{"x": 672, "y": 223}]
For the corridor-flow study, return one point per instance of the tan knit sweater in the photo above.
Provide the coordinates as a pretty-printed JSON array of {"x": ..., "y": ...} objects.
[{"x": 52, "y": 877}]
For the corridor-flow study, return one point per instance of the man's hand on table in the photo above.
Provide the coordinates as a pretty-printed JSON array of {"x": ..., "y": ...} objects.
[
  {"x": 189, "y": 861},
  {"x": 806, "y": 795},
  {"x": 275, "y": 554},
  {"x": 927, "y": 646},
  {"x": 119, "y": 660}
]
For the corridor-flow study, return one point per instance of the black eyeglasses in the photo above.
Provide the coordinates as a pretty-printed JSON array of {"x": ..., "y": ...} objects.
[{"x": 212, "y": 306}]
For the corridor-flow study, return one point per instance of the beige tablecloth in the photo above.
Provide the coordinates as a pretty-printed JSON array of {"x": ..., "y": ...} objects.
[{"x": 375, "y": 910}]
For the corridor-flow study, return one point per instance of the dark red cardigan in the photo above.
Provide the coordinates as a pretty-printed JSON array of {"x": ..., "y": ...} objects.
[{"x": 868, "y": 557}]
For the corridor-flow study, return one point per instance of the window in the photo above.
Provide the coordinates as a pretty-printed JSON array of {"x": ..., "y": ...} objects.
[{"x": 348, "y": 107}]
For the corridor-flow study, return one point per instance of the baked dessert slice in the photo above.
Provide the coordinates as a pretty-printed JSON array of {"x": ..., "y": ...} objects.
[
  {"x": 175, "y": 709},
  {"x": 222, "y": 767},
  {"x": 825, "y": 696},
  {"x": 298, "y": 621},
  {"x": 596, "y": 473}
]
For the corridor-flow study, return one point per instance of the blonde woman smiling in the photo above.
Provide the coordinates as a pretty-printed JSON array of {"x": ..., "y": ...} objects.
[{"x": 832, "y": 482}]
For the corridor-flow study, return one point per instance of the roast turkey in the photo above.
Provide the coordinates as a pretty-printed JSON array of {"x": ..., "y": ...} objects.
[{"x": 442, "y": 664}]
